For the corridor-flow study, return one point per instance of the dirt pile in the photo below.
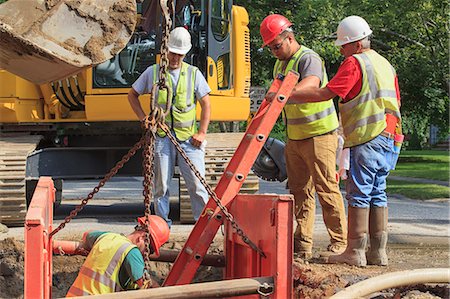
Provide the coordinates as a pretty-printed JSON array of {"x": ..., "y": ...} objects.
[
  {"x": 11, "y": 268},
  {"x": 311, "y": 280}
]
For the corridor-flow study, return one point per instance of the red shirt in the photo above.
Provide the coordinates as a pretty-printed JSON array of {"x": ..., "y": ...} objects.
[{"x": 347, "y": 84}]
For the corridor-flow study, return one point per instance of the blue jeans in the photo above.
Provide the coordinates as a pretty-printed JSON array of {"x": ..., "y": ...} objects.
[
  {"x": 370, "y": 164},
  {"x": 165, "y": 158}
]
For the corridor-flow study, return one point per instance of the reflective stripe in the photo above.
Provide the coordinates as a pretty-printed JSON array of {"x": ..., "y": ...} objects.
[
  {"x": 312, "y": 117},
  {"x": 367, "y": 97},
  {"x": 189, "y": 86},
  {"x": 74, "y": 291},
  {"x": 187, "y": 109},
  {"x": 116, "y": 258},
  {"x": 186, "y": 124},
  {"x": 103, "y": 279},
  {"x": 363, "y": 122},
  {"x": 106, "y": 278}
]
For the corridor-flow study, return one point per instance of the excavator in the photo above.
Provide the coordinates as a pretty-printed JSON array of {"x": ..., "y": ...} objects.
[{"x": 66, "y": 67}]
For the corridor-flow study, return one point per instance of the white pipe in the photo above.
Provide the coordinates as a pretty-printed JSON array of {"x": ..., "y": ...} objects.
[{"x": 392, "y": 280}]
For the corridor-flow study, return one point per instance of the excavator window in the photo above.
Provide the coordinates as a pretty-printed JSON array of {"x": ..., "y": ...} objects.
[{"x": 220, "y": 19}]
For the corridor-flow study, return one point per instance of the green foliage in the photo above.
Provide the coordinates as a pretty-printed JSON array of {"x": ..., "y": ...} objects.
[
  {"x": 3, "y": 1},
  {"x": 411, "y": 34}
]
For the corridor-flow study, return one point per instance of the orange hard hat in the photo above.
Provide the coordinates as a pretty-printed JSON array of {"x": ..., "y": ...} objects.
[
  {"x": 159, "y": 231},
  {"x": 272, "y": 26}
]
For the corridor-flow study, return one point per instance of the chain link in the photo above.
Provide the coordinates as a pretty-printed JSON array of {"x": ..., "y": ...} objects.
[
  {"x": 102, "y": 183},
  {"x": 210, "y": 191},
  {"x": 167, "y": 7}
]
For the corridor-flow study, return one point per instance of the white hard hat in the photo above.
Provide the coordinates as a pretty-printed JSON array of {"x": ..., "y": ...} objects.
[
  {"x": 352, "y": 29},
  {"x": 179, "y": 41}
]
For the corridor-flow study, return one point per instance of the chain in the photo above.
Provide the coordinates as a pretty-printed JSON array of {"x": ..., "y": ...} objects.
[
  {"x": 148, "y": 155},
  {"x": 102, "y": 183},
  {"x": 167, "y": 7},
  {"x": 210, "y": 191}
]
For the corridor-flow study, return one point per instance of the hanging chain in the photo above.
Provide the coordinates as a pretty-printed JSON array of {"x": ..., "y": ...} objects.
[
  {"x": 157, "y": 115},
  {"x": 167, "y": 7},
  {"x": 210, "y": 191},
  {"x": 102, "y": 183}
]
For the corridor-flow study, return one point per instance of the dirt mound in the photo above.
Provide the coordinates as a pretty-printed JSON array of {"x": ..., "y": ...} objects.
[
  {"x": 11, "y": 268},
  {"x": 311, "y": 280}
]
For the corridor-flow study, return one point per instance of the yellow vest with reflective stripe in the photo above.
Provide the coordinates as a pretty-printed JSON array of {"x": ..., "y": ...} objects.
[
  {"x": 363, "y": 118},
  {"x": 308, "y": 119},
  {"x": 182, "y": 117},
  {"x": 100, "y": 272}
]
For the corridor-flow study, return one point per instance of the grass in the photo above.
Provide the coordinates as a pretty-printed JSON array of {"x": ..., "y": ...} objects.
[
  {"x": 417, "y": 190},
  {"x": 433, "y": 165},
  {"x": 426, "y": 164}
]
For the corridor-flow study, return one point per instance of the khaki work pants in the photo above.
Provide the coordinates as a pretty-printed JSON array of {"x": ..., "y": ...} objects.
[{"x": 311, "y": 168}]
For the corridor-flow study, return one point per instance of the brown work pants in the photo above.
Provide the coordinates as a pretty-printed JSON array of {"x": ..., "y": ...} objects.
[{"x": 311, "y": 168}]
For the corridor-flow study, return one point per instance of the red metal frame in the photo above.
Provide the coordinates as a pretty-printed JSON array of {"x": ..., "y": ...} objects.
[
  {"x": 38, "y": 246},
  {"x": 205, "y": 229},
  {"x": 271, "y": 228}
]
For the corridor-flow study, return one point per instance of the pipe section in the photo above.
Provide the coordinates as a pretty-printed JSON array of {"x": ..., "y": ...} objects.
[
  {"x": 392, "y": 280},
  {"x": 216, "y": 289},
  {"x": 62, "y": 247}
]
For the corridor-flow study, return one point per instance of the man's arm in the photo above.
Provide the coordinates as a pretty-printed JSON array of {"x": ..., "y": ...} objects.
[
  {"x": 133, "y": 98},
  {"x": 205, "y": 117},
  {"x": 310, "y": 94}
]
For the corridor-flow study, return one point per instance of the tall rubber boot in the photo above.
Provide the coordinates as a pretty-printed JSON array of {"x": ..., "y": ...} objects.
[
  {"x": 355, "y": 253},
  {"x": 378, "y": 219}
]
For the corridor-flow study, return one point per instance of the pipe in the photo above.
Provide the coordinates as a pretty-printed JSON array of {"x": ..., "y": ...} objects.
[
  {"x": 170, "y": 255},
  {"x": 216, "y": 289},
  {"x": 166, "y": 255},
  {"x": 68, "y": 247},
  {"x": 392, "y": 280}
]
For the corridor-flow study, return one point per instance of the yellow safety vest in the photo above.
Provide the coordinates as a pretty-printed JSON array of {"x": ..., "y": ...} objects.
[
  {"x": 182, "y": 117},
  {"x": 100, "y": 272},
  {"x": 308, "y": 119},
  {"x": 363, "y": 118}
]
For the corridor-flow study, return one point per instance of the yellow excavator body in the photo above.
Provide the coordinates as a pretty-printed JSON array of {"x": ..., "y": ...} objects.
[{"x": 72, "y": 102}]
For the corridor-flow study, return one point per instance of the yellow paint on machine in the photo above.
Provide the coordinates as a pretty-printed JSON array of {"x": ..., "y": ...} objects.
[{"x": 117, "y": 108}]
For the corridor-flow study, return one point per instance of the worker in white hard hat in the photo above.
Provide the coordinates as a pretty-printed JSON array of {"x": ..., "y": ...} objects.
[
  {"x": 189, "y": 86},
  {"x": 369, "y": 106}
]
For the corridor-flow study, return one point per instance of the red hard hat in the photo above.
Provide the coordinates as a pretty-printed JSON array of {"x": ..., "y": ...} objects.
[
  {"x": 272, "y": 26},
  {"x": 159, "y": 231}
]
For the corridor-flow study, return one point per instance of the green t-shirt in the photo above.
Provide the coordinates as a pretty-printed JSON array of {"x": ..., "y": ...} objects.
[{"x": 132, "y": 268}]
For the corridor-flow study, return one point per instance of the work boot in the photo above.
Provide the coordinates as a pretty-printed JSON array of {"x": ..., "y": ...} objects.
[
  {"x": 355, "y": 253},
  {"x": 378, "y": 219},
  {"x": 333, "y": 249},
  {"x": 302, "y": 252}
]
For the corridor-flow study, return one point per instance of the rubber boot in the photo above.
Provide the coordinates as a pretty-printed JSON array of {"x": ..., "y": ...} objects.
[
  {"x": 378, "y": 219},
  {"x": 355, "y": 253}
]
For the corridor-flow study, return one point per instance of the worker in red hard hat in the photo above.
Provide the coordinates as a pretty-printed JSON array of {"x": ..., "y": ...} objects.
[
  {"x": 369, "y": 105},
  {"x": 312, "y": 140},
  {"x": 115, "y": 262}
]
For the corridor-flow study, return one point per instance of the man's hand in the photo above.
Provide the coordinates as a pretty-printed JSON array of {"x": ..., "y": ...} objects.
[{"x": 197, "y": 139}]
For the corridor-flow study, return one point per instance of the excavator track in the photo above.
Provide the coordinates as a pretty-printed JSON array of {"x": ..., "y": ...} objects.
[
  {"x": 220, "y": 149},
  {"x": 13, "y": 158}
]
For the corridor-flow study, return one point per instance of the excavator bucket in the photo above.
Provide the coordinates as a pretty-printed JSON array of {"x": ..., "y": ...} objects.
[{"x": 47, "y": 40}]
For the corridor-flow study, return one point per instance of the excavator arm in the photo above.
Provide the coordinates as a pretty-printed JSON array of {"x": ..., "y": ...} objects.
[{"x": 44, "y": 41}]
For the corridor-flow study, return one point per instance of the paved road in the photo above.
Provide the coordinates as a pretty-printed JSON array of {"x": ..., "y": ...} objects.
[
  {"x": 120, "y": 202},
  {"x": 410, "y": 221}
]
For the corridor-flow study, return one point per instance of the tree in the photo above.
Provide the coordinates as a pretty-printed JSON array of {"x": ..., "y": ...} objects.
[{"x": 411, "y": 34}]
